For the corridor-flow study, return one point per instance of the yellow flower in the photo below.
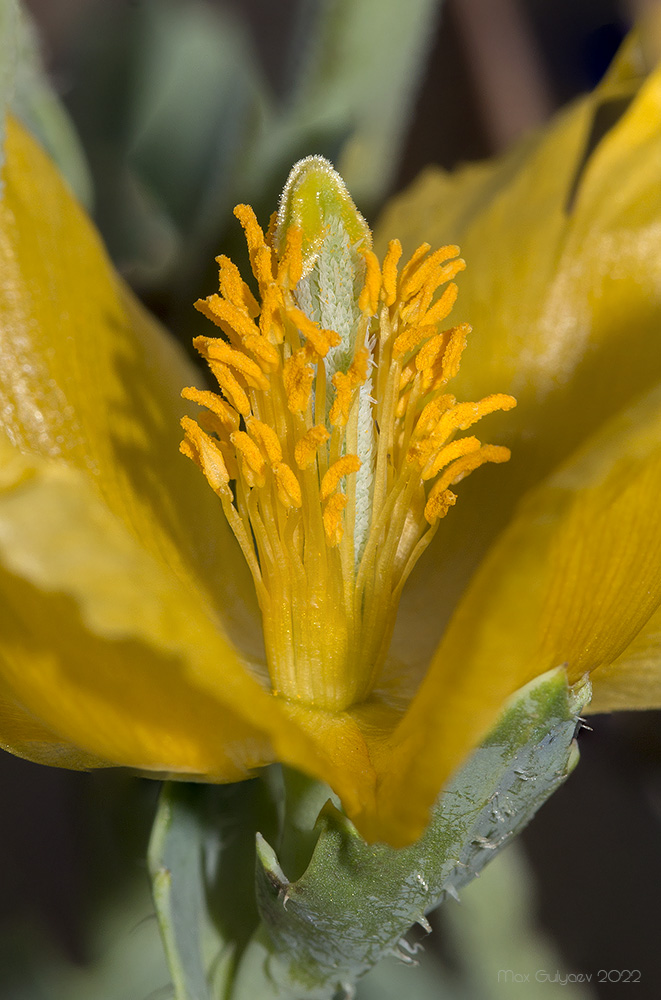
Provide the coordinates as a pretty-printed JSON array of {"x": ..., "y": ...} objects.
[
  {"x": 130, "y": 627},
  {"x": 336, "y": 493}
]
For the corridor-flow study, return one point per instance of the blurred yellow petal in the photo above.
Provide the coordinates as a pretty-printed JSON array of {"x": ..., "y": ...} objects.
[
  {"x": 87, "y": 376},
  {"x": 563, "y": 290},
  {"x": 24, "y": 736},
  {"x": 572, "y": 580},
  {"x": 633, "y": 680},
  {"x": 563, "y": 284},
  {"x": 102, "y": 644}
]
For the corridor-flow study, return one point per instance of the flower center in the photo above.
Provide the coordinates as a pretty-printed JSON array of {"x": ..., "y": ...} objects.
[{"x": 332, "y": 444}]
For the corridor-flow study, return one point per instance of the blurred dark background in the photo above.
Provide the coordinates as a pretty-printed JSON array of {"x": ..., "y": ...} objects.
[{"x": 494, "y": 69}]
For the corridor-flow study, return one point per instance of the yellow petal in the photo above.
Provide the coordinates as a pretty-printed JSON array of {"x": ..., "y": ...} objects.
[
  {"x": 88, "y": 377},
  {"x": 563, "y": 290},
  {"x": 633, "y": 680},
  {"x": 104, "y": 646},
  {"x": 24, "y": 736},
  {"x": 573, "y": 580}
]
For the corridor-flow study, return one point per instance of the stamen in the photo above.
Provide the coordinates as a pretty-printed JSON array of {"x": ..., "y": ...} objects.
[
  {"x": 389, "y": 272},
  {"x": 287, "y": 485},
  {"x": 345, "y": 385},
  {"x": 438, "y": 504},
  {"x": 321, "y": 340},
  {"x": 206, "y": 454},
  {"x": 224, "y": 313},
  {"x": 253, "y": 465},
  {"x": 306, "y": 448},
  {"x": 228, "y": 416},
  {"x": 368, "y": 301},
  {"x": 267, "y": 438},
  {"x": 218, "y": 350},
  {"x": 298, "y": 376},
  {"x": 233, "y": 287},
  {"x": 230, "y": 387},
  {"x": 252, "y": 229},
  {"x": 331, "y": 442},
  {"x": 468, "y": 463},
  {"x": 290, "y": 267},
  {"x": 338, "y": 470},
  {"x": 333, "y": 518},
  {"x": 413, "y": 280}
]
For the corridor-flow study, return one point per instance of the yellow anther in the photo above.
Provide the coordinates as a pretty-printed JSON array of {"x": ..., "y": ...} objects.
[
  {"x": 233, "y": 287},
  {"x": 431, "y": 413},
  {"x": 262, "y": 267},
  {"x": 270, "y": 232},
  {"x": 403, "y": 404},
  {"x": 461, "y": 467},
  {"x": 343, "y": 467},
  {"x": 359, "y": 367},
  {"x": 438, "y": 504},
  {"x": 389, "y": 272},
  {"x": 408, "y": 374},
  {"x": 345, "y": 385},
  {"x": 321, "y": 340},
  {"x": 226, "y": 315},
  {"x": 440, "y": 357},
  {"x": 442, "y": 307},
  {"x": 409, "y": 339},
  {"x": 429, "y": 354},
  {"x": 231, "y": 387},
  {"x": 368, "y": 300},
  {"x": 218, "y": 350},
  {"x": 263, "y": 350},
  {"x": 266, "y": 437},
  {"x": 450, "y": 452},
  {"x": 290, "y": 266},
  {"x": 205, "y": 453},
  {"x": 411, "y": 311},
  {"x": 227, "y": 415},
  {"x": 270, "y": 323},
  {"x": 298, "y": 376},
  {"x": 464, "y": 415},
  {"x": 413, "y": 280},
  {"x": 339, "y": 411},
  {"x": 332, "y": 517},
  {"x": 305, "y": 450},
  {"x": 253, "y": 465},
  {"x": 454, "y": 350},
  {"x": 287, "y": 486},
  {"x": 412, "y": 264},
  {"x": 251, "y": 227}
]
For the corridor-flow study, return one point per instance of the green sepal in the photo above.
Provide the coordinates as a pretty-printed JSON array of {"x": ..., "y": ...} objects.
[
  {"x": 314, "y": 197},
  {"x": 355, "y": 902}
]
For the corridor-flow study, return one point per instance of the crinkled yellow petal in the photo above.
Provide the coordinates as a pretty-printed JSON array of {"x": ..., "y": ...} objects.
[
  {"x": 105, "y": 646},
  {"x": 24, "y": 736},
  {"x": 88, "y": 377},
  {"x": 573, "y": 580},
  {"x": 563, "y": 290}
]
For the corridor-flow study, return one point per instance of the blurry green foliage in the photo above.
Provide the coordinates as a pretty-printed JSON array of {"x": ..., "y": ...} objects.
[
  {"x": 26, "y": 90},
  {"x": 181, "y": 118}
]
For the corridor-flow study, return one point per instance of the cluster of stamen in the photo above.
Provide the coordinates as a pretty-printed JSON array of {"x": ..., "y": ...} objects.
[{"x": 280, "y": 446}]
